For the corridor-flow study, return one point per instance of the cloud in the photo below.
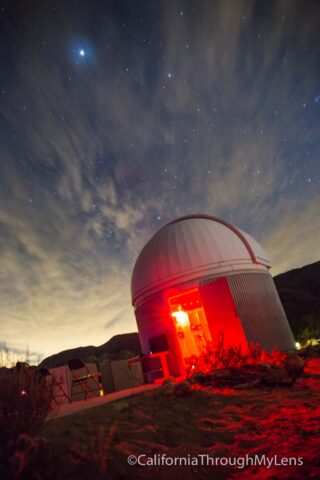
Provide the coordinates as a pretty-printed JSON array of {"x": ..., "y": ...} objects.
[
  {"x": 97, "y": 156},
  {"x": 294, "y": 240}
]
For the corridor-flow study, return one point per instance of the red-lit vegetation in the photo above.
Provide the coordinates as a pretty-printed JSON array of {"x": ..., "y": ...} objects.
[
  {"x": 219, "y": 356},
  {"x": 223, "y": 366}
]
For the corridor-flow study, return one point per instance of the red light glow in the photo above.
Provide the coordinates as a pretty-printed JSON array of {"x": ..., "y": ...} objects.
[{"x": 182, "y": 318}]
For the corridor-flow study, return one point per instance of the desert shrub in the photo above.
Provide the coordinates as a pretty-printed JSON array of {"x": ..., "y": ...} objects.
[
  {"x": 33, "y": 459},
  {"x": 306, "y": 327},
  {"x": 221, "y": 356},
  {"x": 6, "y": 359},
  {"x": 276, "y": 357},
  {"x": 25, "y": 401},
  {"x": 89, "y": 459}
]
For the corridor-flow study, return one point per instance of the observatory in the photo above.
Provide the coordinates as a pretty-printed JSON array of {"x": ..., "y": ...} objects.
[{"x": 199, "y": 277}]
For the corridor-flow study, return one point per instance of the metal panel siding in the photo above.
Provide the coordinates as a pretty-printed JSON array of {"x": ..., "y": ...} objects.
[{"x": 263, "y": 318}]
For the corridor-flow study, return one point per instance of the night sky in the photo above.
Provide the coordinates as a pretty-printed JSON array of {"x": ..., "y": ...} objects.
[{"x": 118, "y": 116}]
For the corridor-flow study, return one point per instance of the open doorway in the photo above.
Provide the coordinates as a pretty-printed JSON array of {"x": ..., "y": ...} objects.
[{"x": 190, "y": 322}]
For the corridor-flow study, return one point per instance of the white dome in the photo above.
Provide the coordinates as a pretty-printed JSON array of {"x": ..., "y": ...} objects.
[{"x": 190, "y": 248}]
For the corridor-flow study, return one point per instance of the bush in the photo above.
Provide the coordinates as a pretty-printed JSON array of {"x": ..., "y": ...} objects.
[
  {"x": 221, "y": 356},
  {"x": 90, "y": 460},
  {"x": 25, "y": 401},
  {"x": 306, "y": 327}
]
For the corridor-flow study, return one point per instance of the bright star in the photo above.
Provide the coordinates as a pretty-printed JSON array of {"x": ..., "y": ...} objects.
[{"x": 82, "y": 54}]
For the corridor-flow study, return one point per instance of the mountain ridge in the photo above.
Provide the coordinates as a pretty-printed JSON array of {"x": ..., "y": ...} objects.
[{"x": 117, "y": 347}]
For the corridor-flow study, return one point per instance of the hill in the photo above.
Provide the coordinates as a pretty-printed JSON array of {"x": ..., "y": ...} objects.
[
  {"x": 217, "y": 422},
  {"x": 120, "y": 346},
  {"x": 299, "y": 290}
]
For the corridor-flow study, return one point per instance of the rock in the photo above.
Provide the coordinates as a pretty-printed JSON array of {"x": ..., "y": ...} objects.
[
  {"x": 251, "y": 384},
  {"x": 166, "y": 390},
  {"x": 275, "y": 377},
  {"x": 263, "y": 366},
  {"x": 120, "y": 406},
  {"x": 222, "y": 372},
  {"x": 169, "y": 381},
  {"x": 182, "y": 389},
  {"x": 199, "y": 377},
  {"x": 176, "y": 390},
  {"x": 294, "y": 366}
]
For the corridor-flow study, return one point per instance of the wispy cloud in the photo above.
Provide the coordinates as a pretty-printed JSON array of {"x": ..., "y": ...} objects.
[{"x": 209, "y": 110}]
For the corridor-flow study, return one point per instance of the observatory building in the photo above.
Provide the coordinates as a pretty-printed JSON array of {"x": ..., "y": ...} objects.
[{"x": 199, "y": 277}]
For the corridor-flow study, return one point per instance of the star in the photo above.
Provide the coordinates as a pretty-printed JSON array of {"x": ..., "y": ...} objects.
[{"x": 82, "y": 53}]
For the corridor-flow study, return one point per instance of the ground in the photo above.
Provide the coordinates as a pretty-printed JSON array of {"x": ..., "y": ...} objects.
[{"x": 282, "y": 421}]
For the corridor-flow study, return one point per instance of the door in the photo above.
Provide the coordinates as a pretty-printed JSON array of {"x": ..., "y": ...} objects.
[{"x": 190, "y": 322}]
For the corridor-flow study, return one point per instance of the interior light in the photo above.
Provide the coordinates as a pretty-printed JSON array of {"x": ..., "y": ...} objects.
[{"x": 182, "y": 318}]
